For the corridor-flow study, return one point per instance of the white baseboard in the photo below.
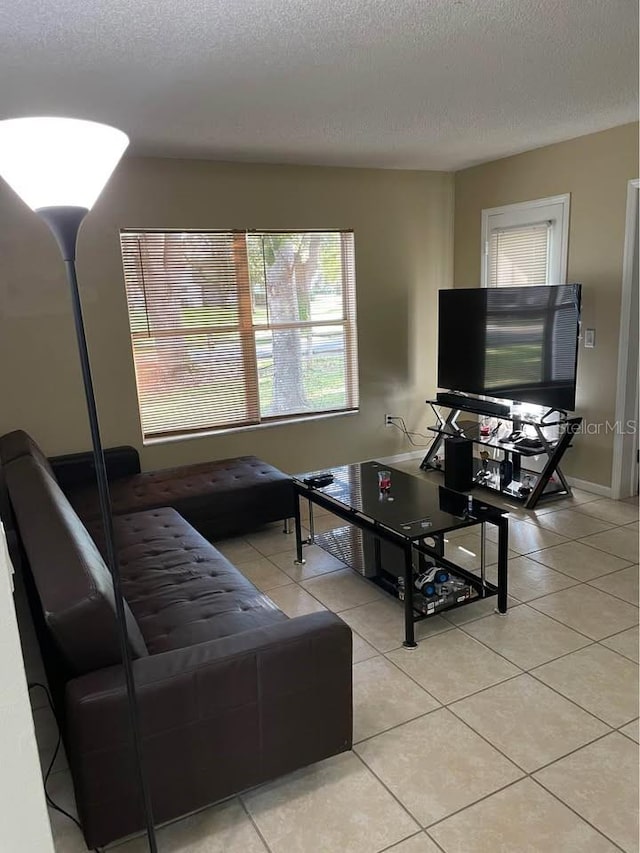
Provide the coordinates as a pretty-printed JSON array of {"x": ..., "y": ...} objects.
[{"x": 586, "y": 486}]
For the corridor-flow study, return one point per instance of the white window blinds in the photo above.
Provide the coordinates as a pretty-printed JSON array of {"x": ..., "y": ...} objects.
[
  {"x": 237, "y": 328},
  {"x": 519, "y": 255}
]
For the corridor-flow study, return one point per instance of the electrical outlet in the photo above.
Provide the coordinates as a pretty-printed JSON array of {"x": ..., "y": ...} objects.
[{"x": 388, "y": 420}]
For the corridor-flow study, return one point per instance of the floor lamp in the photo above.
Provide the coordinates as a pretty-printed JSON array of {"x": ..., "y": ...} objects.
[{"x": 59, "y": 166}]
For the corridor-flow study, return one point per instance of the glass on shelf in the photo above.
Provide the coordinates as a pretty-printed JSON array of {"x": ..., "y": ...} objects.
[{"x": 384, "y": 480}]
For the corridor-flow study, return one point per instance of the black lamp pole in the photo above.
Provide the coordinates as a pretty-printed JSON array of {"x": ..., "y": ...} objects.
[{"x": 65, "y": 223}]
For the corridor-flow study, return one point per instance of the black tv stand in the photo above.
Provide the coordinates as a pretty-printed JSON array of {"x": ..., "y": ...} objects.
[
  {"x": 525, "y": 486},
  {"x": 489, "y": 408}
]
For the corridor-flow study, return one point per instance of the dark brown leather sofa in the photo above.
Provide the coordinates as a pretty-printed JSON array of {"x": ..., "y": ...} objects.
[{"x": 231, "y": 691}]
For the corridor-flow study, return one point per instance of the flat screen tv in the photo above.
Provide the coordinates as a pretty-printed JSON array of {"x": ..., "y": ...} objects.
[{"x": 514, "y": 343}]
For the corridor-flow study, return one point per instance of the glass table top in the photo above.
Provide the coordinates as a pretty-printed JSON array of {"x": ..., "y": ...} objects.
[{"x": 412, "y": 507}]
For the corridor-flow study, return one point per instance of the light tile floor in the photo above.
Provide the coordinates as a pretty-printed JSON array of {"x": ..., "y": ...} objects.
[{"x": 498, "y": 734}]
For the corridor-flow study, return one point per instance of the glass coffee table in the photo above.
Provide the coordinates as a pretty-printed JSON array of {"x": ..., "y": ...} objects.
[{"x": 395, "y": 536}]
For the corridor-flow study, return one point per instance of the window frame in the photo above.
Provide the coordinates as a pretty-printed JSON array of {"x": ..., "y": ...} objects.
[
  {"x": 348, "y": 323},
  {"x": 553, "y": 209}
]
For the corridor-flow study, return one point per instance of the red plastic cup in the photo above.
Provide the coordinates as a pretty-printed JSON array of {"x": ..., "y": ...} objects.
[{"x": 384, "y": 481}]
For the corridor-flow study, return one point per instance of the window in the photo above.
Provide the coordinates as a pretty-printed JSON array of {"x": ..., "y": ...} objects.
[
  {"x": 237, "y": 328},
  {"x": 526, "y": 243}
]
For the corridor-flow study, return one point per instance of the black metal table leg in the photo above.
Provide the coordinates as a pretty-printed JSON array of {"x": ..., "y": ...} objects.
[
  {"x": 448, "y": 427},
  {"x": 298, "y": 524},
  {"x": 409, "y": 627},
  {"x": 439, "y": 540},
  {"x": 503, "y": 553},
  {"x": 516, "y": 465},
  {"x": 553, "y": 462}
]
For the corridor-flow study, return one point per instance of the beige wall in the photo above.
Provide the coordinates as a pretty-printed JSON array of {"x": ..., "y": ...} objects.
[
  {"x": 595, "y": 169},
  {"x": 403, "y": 232}
]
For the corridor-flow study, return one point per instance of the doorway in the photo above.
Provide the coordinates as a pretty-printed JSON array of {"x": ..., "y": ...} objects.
[{"x": 625, "y": 445}]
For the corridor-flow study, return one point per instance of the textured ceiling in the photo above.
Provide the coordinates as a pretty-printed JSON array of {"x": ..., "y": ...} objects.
[{"x": 435, "y": 84}]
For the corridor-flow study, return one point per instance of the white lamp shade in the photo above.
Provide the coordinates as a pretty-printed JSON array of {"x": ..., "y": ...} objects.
[{"x": 59, "y": 162}]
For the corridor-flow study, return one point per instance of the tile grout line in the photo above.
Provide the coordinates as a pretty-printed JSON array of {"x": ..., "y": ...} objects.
[
  {"x": 530, "y": 555},
  {"x": 512, "y": 760},
  {"x": 624, "y": 725},
  {"x": 397, "y": 726},
  {"x": 524, "y": 773},
  {"x": 573, "y": 751},
  {"x": 602, "y": 550},
  {"x": 587, "y": 645},
  {"x": 581, "y": 541},
  {"x": 581, "y": 817},
  {"x": 511, "y": 785},
  {"x": 402, "y": 841},
  {"x": 620, "y": 598},
  {"x": 475, "y": 692},
  {"x": 383, "y": 654},
  {"x": 629, "y": 737},
  {"x": 577, "y": 583},
  {"x": 481, "y": 736},
  {"x": 475, "y": 802},
  {"x": 582, "y": 517},
  {"x": 523, "y": 603},
  {"x": 391, "y": 793},
  {"x": 411, "y": 678},
  {"x": 544, "y": 595},
  {"x": 253, "y": 823},
  {"x": 503, "y": 681},
  {"x": 578, "y": 580},
  {"x": 497, "y": 749},
  {"x": 531, "y": 672},
  {"x": 527, "y": 775},
  {"x": 493, "y": 746},
  {"x": 556, "y": 619},
  {"x": 433, "y": 841},
  {"x": 602, "y": 643},
  {"x": 591, "y": 643},
  {"x": 573, "y": 702}
]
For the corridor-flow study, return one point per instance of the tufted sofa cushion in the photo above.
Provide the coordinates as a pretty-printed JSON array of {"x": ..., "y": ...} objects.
[
  {"x": 215, "y": 497},
  {"x": 181, "y": 590}
]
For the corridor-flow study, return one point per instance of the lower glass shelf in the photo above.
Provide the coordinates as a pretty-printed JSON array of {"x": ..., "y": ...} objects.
[
  {"x": 346, "y": 543},
  {"x": 527, "y": 480}
]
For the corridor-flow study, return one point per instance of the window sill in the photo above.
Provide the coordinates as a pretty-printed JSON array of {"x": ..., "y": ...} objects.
[{"x": 188, "y": 436}]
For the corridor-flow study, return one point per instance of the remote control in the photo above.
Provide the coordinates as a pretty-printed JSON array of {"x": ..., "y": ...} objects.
[{"x": 319, "y": 480}]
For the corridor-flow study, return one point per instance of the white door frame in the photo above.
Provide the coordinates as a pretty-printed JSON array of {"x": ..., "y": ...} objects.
[{"x": 625, "y": 439}]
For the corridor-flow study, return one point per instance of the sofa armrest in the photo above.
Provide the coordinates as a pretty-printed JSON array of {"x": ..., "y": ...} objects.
[
  {"x": 215, "y": 718},
  {"x": 77, "y": 469}
]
